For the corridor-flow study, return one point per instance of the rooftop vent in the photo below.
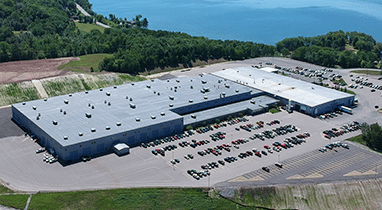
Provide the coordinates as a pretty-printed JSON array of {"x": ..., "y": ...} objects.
[
  {"x": 193, "y": 116},
  {"x": 105, "y": 101},
  {"x": 132, "y": 106},
  {"x": 131, "y": 99},
  {"x": 177, "y": 81},
  {"x": 107, "y": 127},
  {"x": 64, "y": 113},
  {"x": 162, "y": 113},
  {"x": 24, "y": 103},
  {"x": 205, "y": 97},
  {"x": 108, "y": 93},
  {"x": 152, "y": 80},
  {"x": 171, "y": 105},
  {"x": 80, "y": 134},
  {"x": 127, "y": 97},
  {"x": 66, "y": 101},
  {"x": 148, "y": 86},
  {"x": 237, "y": 90},
  {"x": 100, "y": 89},
  {"x": 70, "y": 95},
  {"x": 158, "y": 94},
  {"x": 155, "y": 92},
  {"x": 65, "y": 137},
  {"x": 227, "y": 86},
  {"x": 37, "y": 117},
  {"x": 89, "y": 104},
  {"x": 34, "y": 107},
  {"x": 45, "y": 99},
  {"x": 190, "y": 100},
  {"x": 93, "y": 130},
  {"x": 118, "y": 123},
  {"x": 204, "y": 81},
  {"x": 60, "y": 110},
  {"x": 109, "y": 103},
  {"x": 137, "y": 119},
  {"x": 54, "y": 122},
  {"x": 115, "y": 86},
  {"x": 153, "y": 117},
  {"x": 92, "y": 106},
  {"x": 168, "y": 80},
  {"x": 223, "y": 93},
  {"x": 253, "y": 101},
  {"x": 132, "y": 83},
  {"x": 88, "y": 115},
  {"x": 86, "y": 92},
  {"x": 39, "y": 114},
  {"x": 171, "y": 97},
  {"x": 192, "y": 87}
]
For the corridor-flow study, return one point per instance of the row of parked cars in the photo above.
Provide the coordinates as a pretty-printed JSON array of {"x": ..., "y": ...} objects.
[
  {"x": 334, "y": 132},
  {"x": 330, "y": 114},
  {"x": 270, "y": 134},
  {"x": 198, "y": 175},
  {"x": 237, "y": 120},
  {"x": 333, "y": 145},
  {"x": 162, "y": 151},
  {"x": 167, "y": 139}
]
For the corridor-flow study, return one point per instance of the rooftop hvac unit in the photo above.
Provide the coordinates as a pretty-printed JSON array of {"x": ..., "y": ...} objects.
[
  {"x": 88, "y": 115},
  {"x": 93, "y": 129},
  {"x": 127, "y": 97},
  {"x": 205, "y": 97},
  {"x": 107, "y": 127},
  {"x": 80, "y": 134},
  {"x": 162, "y": 113},
  {"x": 86, "y": 92},
  {"x": 65, "y": 137},
  {"x": 34, "y": 107},
  {"x": 153, "y": 117},
  {"x": 171, "y": 97},
  {"x": 132, "y": 105},
  {"x": 66, "y": 101},
  {"x": 171, "y": 105},
  {"x": 54, "y": 122},
  {"x": 108, "y": 93},
  {"x": 237, "y": 90},
  {"x": 193, "y": 116},
  {"x": 70, "y": 95},
  {"x": 115, "y": 86},
  {"x": 119, "y": 123},
  {"x": 148, "y": 86},
  {"x": 24, "y": 103},
  {"x": 45, "y": 99},
  {"x": 100, "y": 89},
  {"x": 191, "y": 101},
  {"x": 137, "y": 119}
]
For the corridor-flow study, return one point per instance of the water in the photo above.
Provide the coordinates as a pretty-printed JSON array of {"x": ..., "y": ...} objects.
[{"x": 259, "y": 21}]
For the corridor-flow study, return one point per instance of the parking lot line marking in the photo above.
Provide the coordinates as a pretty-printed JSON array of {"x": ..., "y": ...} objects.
[{"x": 238, "y": 179}]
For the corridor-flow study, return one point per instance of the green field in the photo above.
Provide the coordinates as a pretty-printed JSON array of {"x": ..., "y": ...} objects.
[
  {"x": 17, "y": 92},
  {"x": 358, "y": 139},
  {"x": 136, "y": 198},
  {"x": 74, "y": 84},
  {"x": 370, "y": 72},
  {"x": 17, "y": 201},
  {"x": 85, "y": 63},
  {"x": 4, "y": 190},
  {"x": 87, "y": 27}
]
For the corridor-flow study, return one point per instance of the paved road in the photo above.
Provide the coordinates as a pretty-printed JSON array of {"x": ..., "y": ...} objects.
[{"x": 82, "y": 10}]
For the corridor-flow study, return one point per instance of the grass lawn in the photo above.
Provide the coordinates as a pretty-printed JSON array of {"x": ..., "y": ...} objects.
[
  {"x": 136, "y": 198},
  {"x": 358, "y": 139},
  {"x": 17, "y": 92},
  {"x": 274, "y": 110},
  {"x": 370, "y": 72},
  {"x": 85, "y": 63},
  {"x": 341, "y": 81},
  {"x": 16, "y": 33},
  {"x": 15, "y": 201},
  {"x": 87, "y": 27},
  {"x": 4, "y": 190}
]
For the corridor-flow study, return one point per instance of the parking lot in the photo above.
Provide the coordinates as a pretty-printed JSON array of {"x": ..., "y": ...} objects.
[{"x": 23, "y": 169}]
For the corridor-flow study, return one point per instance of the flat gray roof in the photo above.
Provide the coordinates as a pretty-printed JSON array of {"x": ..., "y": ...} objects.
[
  {"x": 110, "y": 108},
  {"x": 283, "y": 86}
]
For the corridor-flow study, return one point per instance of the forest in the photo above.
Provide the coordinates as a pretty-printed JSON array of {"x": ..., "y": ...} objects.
[{"x": 39, "y": 29}]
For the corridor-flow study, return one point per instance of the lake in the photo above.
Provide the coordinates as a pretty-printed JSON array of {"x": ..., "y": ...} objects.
[{"x": 251, "y": 20}]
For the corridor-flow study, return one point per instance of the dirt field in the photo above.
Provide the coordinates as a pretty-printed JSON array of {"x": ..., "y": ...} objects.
[{"x": 18, "y": 71}]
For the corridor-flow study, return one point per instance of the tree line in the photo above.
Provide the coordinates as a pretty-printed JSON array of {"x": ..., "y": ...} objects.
[
  {"x": 348, "y": 50},
  {"x": 46, "y": 32}
]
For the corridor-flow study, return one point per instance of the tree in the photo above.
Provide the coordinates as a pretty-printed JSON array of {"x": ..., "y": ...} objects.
[
  {"x": 285, "y": 52},
  {"x": 372, "y": 135},
  {"x": 145, "y": 23}
]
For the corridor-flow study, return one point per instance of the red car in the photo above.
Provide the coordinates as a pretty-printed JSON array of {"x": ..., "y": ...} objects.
[
  {"x": 326, "y": 136},
  {"x": 258, "y": 154},
  {"x": 266, "y": 146}
]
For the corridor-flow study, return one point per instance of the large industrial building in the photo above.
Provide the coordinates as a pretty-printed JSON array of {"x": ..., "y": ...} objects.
[
  {"x": 295, "y": 94},
  {"x": 91, "y": 123}
]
